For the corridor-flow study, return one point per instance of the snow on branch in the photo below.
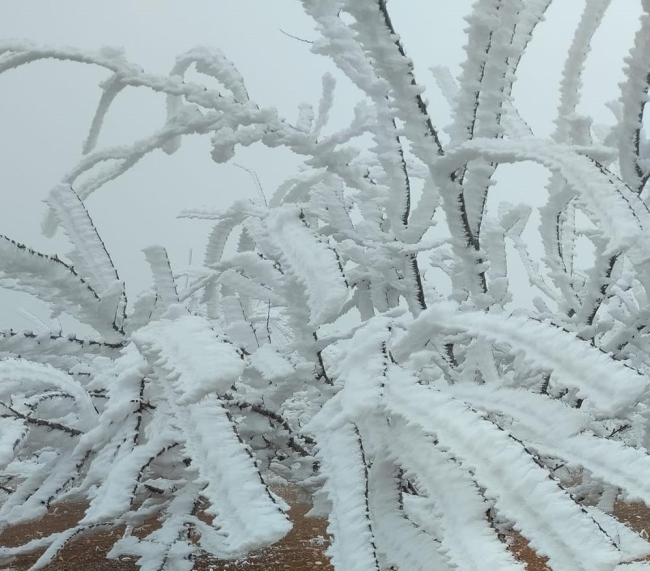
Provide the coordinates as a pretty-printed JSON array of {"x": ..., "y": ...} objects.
[
  {"x": 163, "y": 279},
  {"x": 523, "y": 493},
  {"x": 634, "y": 95},
  {"x": 571, "y": 84},
  {"x": 53, "y": 281},
  {"x": 91, "y": 258},
  {"x": 609, "y": 200},
  {"x": 311, "y": 262},
  {"x": 584, "y": 369},
  {"x": 344, "y": 464},
  {"x": 32, "y": 345}
]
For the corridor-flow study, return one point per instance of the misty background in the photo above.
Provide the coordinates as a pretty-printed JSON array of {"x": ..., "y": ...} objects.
[{"x": 46, "y": 109}]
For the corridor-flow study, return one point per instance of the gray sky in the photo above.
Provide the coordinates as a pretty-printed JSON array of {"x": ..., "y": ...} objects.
[{"x": 46, "y": 108}]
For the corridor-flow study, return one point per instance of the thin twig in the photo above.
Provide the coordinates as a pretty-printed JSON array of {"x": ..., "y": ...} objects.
[
  {"x": 40, "y": 421},
  {"x": 295, "y": 37}
]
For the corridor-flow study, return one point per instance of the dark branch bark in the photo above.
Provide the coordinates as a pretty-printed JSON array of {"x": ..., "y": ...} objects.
[{"x": 39, "y": 421}]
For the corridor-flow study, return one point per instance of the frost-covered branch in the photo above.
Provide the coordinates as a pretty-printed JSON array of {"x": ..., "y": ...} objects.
[{"x": 368, "y": 346}]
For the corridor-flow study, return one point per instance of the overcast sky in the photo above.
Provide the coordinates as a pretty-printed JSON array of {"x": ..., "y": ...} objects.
[{"x": 46, "y": 108}]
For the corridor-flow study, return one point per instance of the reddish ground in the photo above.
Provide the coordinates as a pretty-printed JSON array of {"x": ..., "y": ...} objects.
[{"x": 302, "y": 550}]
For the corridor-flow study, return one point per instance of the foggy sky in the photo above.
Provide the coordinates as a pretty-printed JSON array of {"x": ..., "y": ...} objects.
[{"x": 46, "y": 108}]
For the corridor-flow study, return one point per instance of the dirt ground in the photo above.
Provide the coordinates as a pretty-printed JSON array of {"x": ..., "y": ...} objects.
[{"x": 302, "y": 550}]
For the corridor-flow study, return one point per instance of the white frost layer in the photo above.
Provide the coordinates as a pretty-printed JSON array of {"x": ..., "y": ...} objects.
[
  {"x": 545, "y": 514},
  {"x": 271, "y": 364},
  {"x": 606, "y": 385},
  {"x": 311, "y": 262},
  {"x": 90, "y": 256},
  {"x": 245, "y": 512},
  {"x": 197, "y": 359},
  {"x": 353, "y": 547}
]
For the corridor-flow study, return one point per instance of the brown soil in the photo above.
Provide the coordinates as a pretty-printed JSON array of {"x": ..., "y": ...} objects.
[{"x": 302, "y": 550}]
